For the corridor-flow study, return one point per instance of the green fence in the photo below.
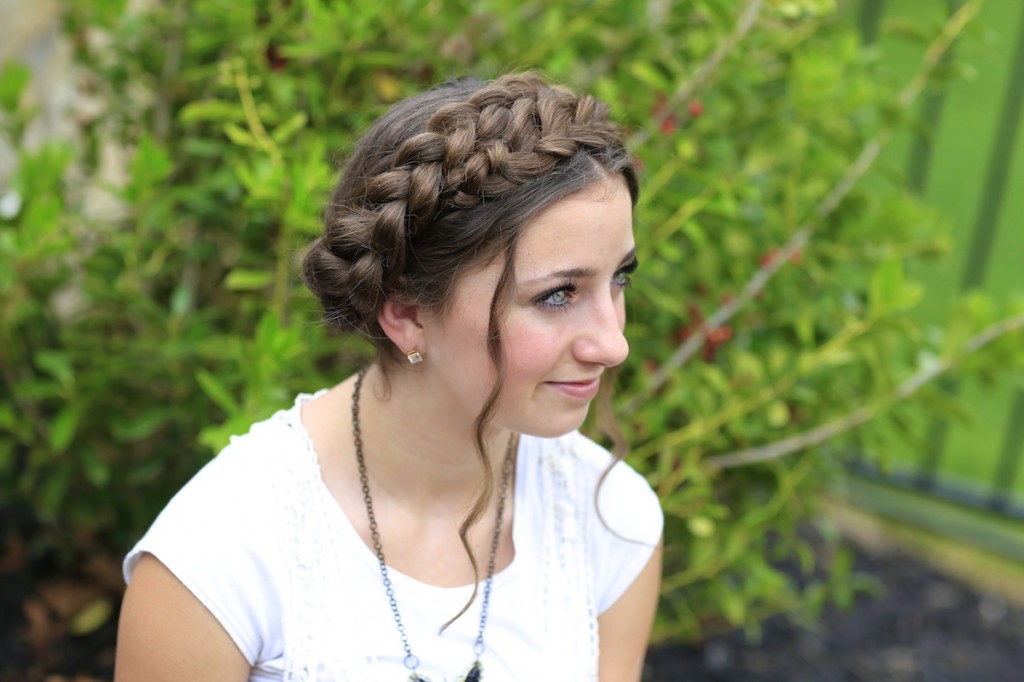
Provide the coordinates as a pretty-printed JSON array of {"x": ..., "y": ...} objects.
[{"x": 967, "y": 158}]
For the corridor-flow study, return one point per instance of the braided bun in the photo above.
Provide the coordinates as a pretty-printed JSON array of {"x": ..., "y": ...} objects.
[{"x": 447, "y": 179}]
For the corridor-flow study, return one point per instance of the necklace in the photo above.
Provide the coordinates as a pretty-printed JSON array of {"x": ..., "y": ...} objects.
[{"x": 411, "y": 661}]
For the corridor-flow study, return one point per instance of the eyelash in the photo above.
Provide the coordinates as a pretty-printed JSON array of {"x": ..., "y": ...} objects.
[
  {"x": 620, "y": 279},
  {"x": 569, "y": 287}
]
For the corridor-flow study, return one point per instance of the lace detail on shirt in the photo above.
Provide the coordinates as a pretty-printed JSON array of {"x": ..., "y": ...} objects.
[
  {"x": 570, "y": 613},
  {"x": 321, "y": 638}
]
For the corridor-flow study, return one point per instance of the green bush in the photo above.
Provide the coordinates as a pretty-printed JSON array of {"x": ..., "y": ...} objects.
[{"x": 135, "y": 339}]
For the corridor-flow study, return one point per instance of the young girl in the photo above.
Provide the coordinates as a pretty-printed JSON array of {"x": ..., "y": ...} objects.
[{"x": 437, "y": 516}]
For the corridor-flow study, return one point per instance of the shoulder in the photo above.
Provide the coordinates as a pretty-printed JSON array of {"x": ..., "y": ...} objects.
[
  {"x": 625, "y": 502},
  {"x": 236, "y": 483},
  {"x": 617, "y": 506},
  {"x": 233, "y": 495},
  {"x": 220, "y": 534}
]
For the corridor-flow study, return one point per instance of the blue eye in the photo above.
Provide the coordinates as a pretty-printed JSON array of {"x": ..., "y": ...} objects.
[
  {"x": 621, "y": 278},
  {"x": 559, "y": 297}
]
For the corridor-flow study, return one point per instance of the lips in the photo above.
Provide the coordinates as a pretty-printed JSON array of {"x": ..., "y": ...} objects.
[{"x": 581, "y": 390}]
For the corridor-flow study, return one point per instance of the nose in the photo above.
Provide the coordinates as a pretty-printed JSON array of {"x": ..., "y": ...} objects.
[{"x": 601, "y": 340}]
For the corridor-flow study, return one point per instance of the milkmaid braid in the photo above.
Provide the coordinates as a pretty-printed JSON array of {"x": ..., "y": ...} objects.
[{"x": 446, "y": 179}]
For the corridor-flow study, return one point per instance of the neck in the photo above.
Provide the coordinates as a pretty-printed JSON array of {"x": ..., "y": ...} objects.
[{"x": 416, "y": 450}]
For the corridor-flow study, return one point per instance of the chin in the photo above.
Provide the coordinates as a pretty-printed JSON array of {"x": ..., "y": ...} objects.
[{"x": 553, "y": 428}]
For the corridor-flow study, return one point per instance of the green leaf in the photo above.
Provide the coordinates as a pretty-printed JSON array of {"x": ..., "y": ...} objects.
[
  {"x": 216, "y": 391},
  {"x": 886, "y": 282},
  {"x": 644, "y": 72},
  {"x": 40, "y": 173},
  {"x": 96, "y": 470},
  {"x": 139, "y": 427},
  {"x": 794, "y": 9},
  {"x": 240, "y": 136},
  {"x": 734, "y": 605},
  {"x": 287, "y": 130},
  {"x": 14, "y": 77},
  {"x": 7, "y": 460},
  {"x": 52, "y": 493},
  {"x": 778, "y": 414},
  {"x": 211, "y": 110},
  {"x": 804, "y": 328},
  {"x": 181, "y": 300},
  {"x": 268, "y": 331},
  {"x": 63, "y": 428},
  {"x": 91, "y": 617},
  {"x": 701, "y": 526},
  {"x": 908, "y": 29},
  {"x": 56, "y": 364},
  {"x": 40, "y": 220},
  {"x": 8, "y": 420},
  {"x": 150, "y": 166},
  {"x": 263, "y": 179},
  {"x": 108, "y": 14},
  {"x": 241, "y": 279}
]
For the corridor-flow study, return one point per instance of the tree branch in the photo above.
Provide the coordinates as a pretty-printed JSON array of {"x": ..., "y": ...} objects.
[
  {"x": 702, "y": 426},
  {"x": 865, "y": 413},
  {"x": 243, "y": 84},
  {"x": 746, "y": 21},
  {"x": 172, "y": 63},
  {"x": 868, "y": 155}
]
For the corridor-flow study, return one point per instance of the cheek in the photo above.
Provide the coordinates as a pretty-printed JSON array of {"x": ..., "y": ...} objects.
[{"x": 531, "y": 352}]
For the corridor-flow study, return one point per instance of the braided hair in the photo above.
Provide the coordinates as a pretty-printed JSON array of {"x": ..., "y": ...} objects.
[{"x": 446, "y": 180}]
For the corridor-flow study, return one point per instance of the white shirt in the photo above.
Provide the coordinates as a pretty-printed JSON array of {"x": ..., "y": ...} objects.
[{"x": 259, "y": 540}]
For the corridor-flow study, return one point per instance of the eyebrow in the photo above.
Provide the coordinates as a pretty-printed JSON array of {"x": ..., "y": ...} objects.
[{"x": 578, "y": 273}]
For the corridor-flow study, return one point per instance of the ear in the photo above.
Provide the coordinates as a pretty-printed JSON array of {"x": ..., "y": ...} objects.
[{"x": 401, "y": 322}]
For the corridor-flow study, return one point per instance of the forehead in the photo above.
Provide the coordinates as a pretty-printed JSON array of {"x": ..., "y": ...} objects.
[{"x": 587, "y": 228}]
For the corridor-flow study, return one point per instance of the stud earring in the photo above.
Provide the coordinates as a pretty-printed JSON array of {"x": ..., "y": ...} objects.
[{"x": 414, "y": 357}]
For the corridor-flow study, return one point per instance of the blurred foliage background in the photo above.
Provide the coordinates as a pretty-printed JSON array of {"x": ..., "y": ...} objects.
[{"x": 150, "y": 307}]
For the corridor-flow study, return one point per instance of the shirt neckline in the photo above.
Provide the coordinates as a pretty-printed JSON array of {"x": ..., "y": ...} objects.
[{"x": 367, "y": 557}]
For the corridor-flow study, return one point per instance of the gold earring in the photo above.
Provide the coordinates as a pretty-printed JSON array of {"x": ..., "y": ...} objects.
[{"x": 414, "y": 357}]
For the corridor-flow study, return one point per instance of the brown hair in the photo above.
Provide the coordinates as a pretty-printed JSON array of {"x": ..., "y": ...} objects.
[{"x": 446, "y": 180}]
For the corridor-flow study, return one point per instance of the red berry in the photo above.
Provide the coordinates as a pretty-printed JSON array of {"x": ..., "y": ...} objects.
[
  {"x": 768, "y": 257},
  {"x": 274, "y": 58},
  {"x": 659, "y": 110}
]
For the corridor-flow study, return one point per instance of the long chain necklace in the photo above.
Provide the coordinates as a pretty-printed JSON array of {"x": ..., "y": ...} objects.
[{"x": 411, "y": 661}]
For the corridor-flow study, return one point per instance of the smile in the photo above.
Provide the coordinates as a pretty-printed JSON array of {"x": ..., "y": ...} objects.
[{"x": 582, "y": 390}]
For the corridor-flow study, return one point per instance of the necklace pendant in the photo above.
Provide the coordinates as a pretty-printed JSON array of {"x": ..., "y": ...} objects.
[{"x": 475, "y": 673}]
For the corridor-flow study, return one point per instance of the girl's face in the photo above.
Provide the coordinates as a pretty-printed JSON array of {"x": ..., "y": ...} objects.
[{"x": 563, "y": 323}]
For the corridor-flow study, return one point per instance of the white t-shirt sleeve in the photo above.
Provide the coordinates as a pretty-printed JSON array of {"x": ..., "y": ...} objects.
[
  {"x": 216, "y": 536},
  {"x": 625, "y": 535}
]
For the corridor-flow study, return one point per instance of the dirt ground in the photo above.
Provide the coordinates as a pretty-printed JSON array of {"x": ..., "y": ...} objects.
[{"x": 924, "y": 627}]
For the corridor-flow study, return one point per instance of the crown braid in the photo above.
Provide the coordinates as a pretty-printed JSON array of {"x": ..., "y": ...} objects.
[
  {"x": 446, "y": 181},
  {"x": 477, "y": 146}
]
